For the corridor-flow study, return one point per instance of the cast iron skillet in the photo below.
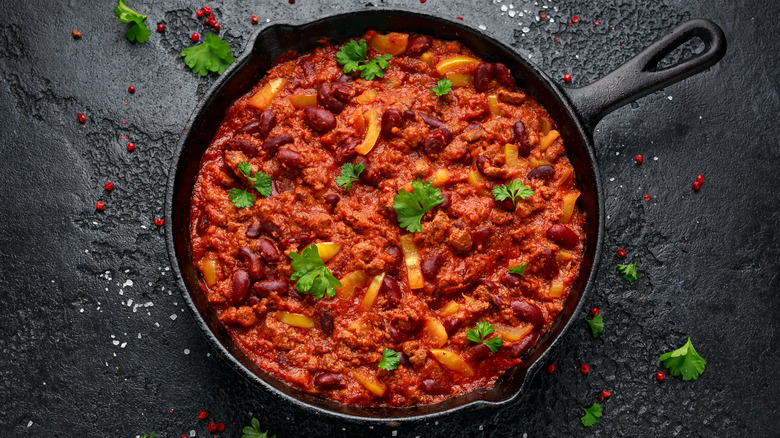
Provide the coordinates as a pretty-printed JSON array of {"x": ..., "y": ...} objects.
[{"x": 575, "y": 110}]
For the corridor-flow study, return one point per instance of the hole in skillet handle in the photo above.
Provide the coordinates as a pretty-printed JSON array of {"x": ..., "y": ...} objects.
[{"x": 644, "y": 73}]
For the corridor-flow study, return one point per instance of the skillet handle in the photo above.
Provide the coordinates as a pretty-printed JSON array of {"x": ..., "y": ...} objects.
[{"x": 639, "y": 77}]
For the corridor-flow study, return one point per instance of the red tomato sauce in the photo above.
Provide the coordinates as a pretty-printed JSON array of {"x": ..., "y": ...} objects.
[{"x": 300, "y": 124}]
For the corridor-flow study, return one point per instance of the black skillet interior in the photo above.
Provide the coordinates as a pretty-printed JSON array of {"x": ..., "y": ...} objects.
[{"x": 275, "y": 39}]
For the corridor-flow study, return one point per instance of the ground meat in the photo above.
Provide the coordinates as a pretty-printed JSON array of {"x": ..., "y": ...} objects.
[{"x": 459, "y": 239}]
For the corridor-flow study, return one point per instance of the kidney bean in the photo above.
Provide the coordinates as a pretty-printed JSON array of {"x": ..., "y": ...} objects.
[
  {"x": 502, "y": 75},
  {"x": 528, "y": 312},
  {"x": 272, "y": 144},
  {"x": 267, "y": 250},
  {"x": 394, "y": 333},
  {"x": 393, "y": 267},
  {"x": 267, "y": 122},
  {"x": 511, "y": 280},
  {"x": 326, "y": 99},
  {"x": 430, "y": 266},
  {"x": 342, "y": 91},
  {"x": 436, "y": 140},
  {"x": 482, "y": 163},
  {"x": 290, "y": 158},
  {"x": 302, "y": 238},
  {"x": 483, "y": 76},
  {"x": 548, "y": 262},
  {"x": 432, "y": 122},
  {"x": 506, "y": 204},
  {"x": 521, "y": 138},
  {"x": 523, "y": 345},
  {"x": 368, "y": 175},
  {"x": 253, "y": 265},
  {"x": 346, "y": 153},
  {"x": 343, "y": 79},
  {"x": 544, "y": 173},
  {"x": 202, "y": 224},
  {"x": 447, "y": 201},
  {"x": 246, "y": 146},
  {"x": 266, "y": 287},
  {"x": 252, "y": 300},
  {"x": 391, "y": 289},
  {"x": 478, "y": 352},
  {"x": 239, "y": 287},
  {"x": 319, "y": 119},
  {"x": 481, "y": 237},
  {"x": 327, "y": 381},
  {"x": 325, "y": 318},
  {"x": 435, "y": 387},
  {"x": 390, "y": 119},
  {"x": 271, "y": 228},
  {"x": 403, "y": 359},
  {"x": 332, "y": 199},
  {"x": 409, "y": 115},
  {"x": 563, "y": 236},
  {"x": 418, "y": 44},
  {"x": 250, "y": 128},
  {"x": 254, "y": 229},
  {"x": 451, "y": 325}
]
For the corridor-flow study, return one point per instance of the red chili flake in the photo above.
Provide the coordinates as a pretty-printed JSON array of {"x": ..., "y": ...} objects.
[
  {"x": 604, "y": 395},
  {"x": 82, "y": 118},
  {"x": 584, "y": 368},
  {"x": 203, "y": 415},
  {"x": 596, "y": 23},
  {"x": 206, "y": 22},
  {"x": 124, "y": 121},
  {"x": 199, "y": 13},
  {"x": 212, "y": 427},
  {"x": 291, "y": 1},
  {"x": 109, "y": 186},
  {"x": 696, "y": 185},
  {"x": 660, "y": 376},
  {"x": 100, "y": 205},
  {"x": 575, "y": 19},
  {"x": 647, "y": 198},
  {"x": 131, "y": 146},
  {"x": 639, "y": 159},
  {"x": 551, "y": 368},
  {"x": 212, "y": 22},
  {"x": 161, "y": 28},
  {"x": 254, "y": 19},
  {"x": 207, "y": 10},
  {"x": 184, "y": 435},
  {"x": 556, "y": 37},
  {"x": 195, "y": 37},
  {"x": 76, "y": 34},
  {"x": 699, "y": 178},
  {"x": 159, "y": 222},
  {"x": 620, "y": 252},
  {"x": 543, "y": 15},
  {"x": 215, "y": 27},
  {"x": 131, "y": 89},
  {"x": 220, "y": 426},
  {"x": 459, "y": 18},
  {"x": 422, "y": 1},
  {"x": 594, "y": 311},
  {"x": 567, "y": 78}
]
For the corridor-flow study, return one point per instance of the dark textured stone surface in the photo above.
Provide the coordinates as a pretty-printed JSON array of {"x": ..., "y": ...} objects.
[{"x": 80, "y": 358}]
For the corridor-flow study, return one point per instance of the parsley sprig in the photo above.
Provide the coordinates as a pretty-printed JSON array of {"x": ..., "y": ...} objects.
[
  {"x": 354, "y": 57},
  {"x": 349, "y": 174},
  {"x": 513, "y": 190},
  {"x": 211, "y": 56},
  {"x": 442, "y": 87},
  {"x": 519, "y": 269},
  {"x": 312, "y": 275},
  {"x": 596, "y": 325},
  {"x": 137, "y": 32},
  {"x": 684, "y": 361},
  {"x": 261, "y": 182},
  {"x": 484, "y": 329},
  {"x": 592, "y": 415},
  {"x": 411, "y": 206},
  {"x": 254, "y": 431},
  {"x": 628, "y": 271},
  {"x": 390, "y": 360}
]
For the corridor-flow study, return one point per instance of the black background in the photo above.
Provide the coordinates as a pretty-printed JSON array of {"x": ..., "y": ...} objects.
[{"x": 80, "y": 358}]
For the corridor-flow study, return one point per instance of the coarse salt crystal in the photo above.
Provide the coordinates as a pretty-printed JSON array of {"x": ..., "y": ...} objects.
[
  {"x": 115, "y": 342},
  {"x": 173, "y": 317}
]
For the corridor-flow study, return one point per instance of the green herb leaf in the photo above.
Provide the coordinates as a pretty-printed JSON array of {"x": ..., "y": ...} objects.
[
  {"x": 312, "y": 275},
  {"x": 596, "y": 325},
  {"x": 592, "y": 415},
  {"x": 628, "y": 271},
  {"x": 137, "y": 32},
  {"x": 485, "y": 329},
  {"x": 684, "y": 361},
  {"x": 349, "y": 174},
  {"x": 411, "y": 206},
  {"x": 390, "y": 360},
  {"x": 263, "y": 184},
  {"x": 519, "y": 269},
  {"x": 442, "y": 87},
  {"x": 354, "y": 57},
  {"x": 254, "y": 431},
  {"x": 241, "y": 198},
  {"x": 148, "y": 436},
  {"x": 213, "y": 55},
  {"x": 512, "y": 190}
]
